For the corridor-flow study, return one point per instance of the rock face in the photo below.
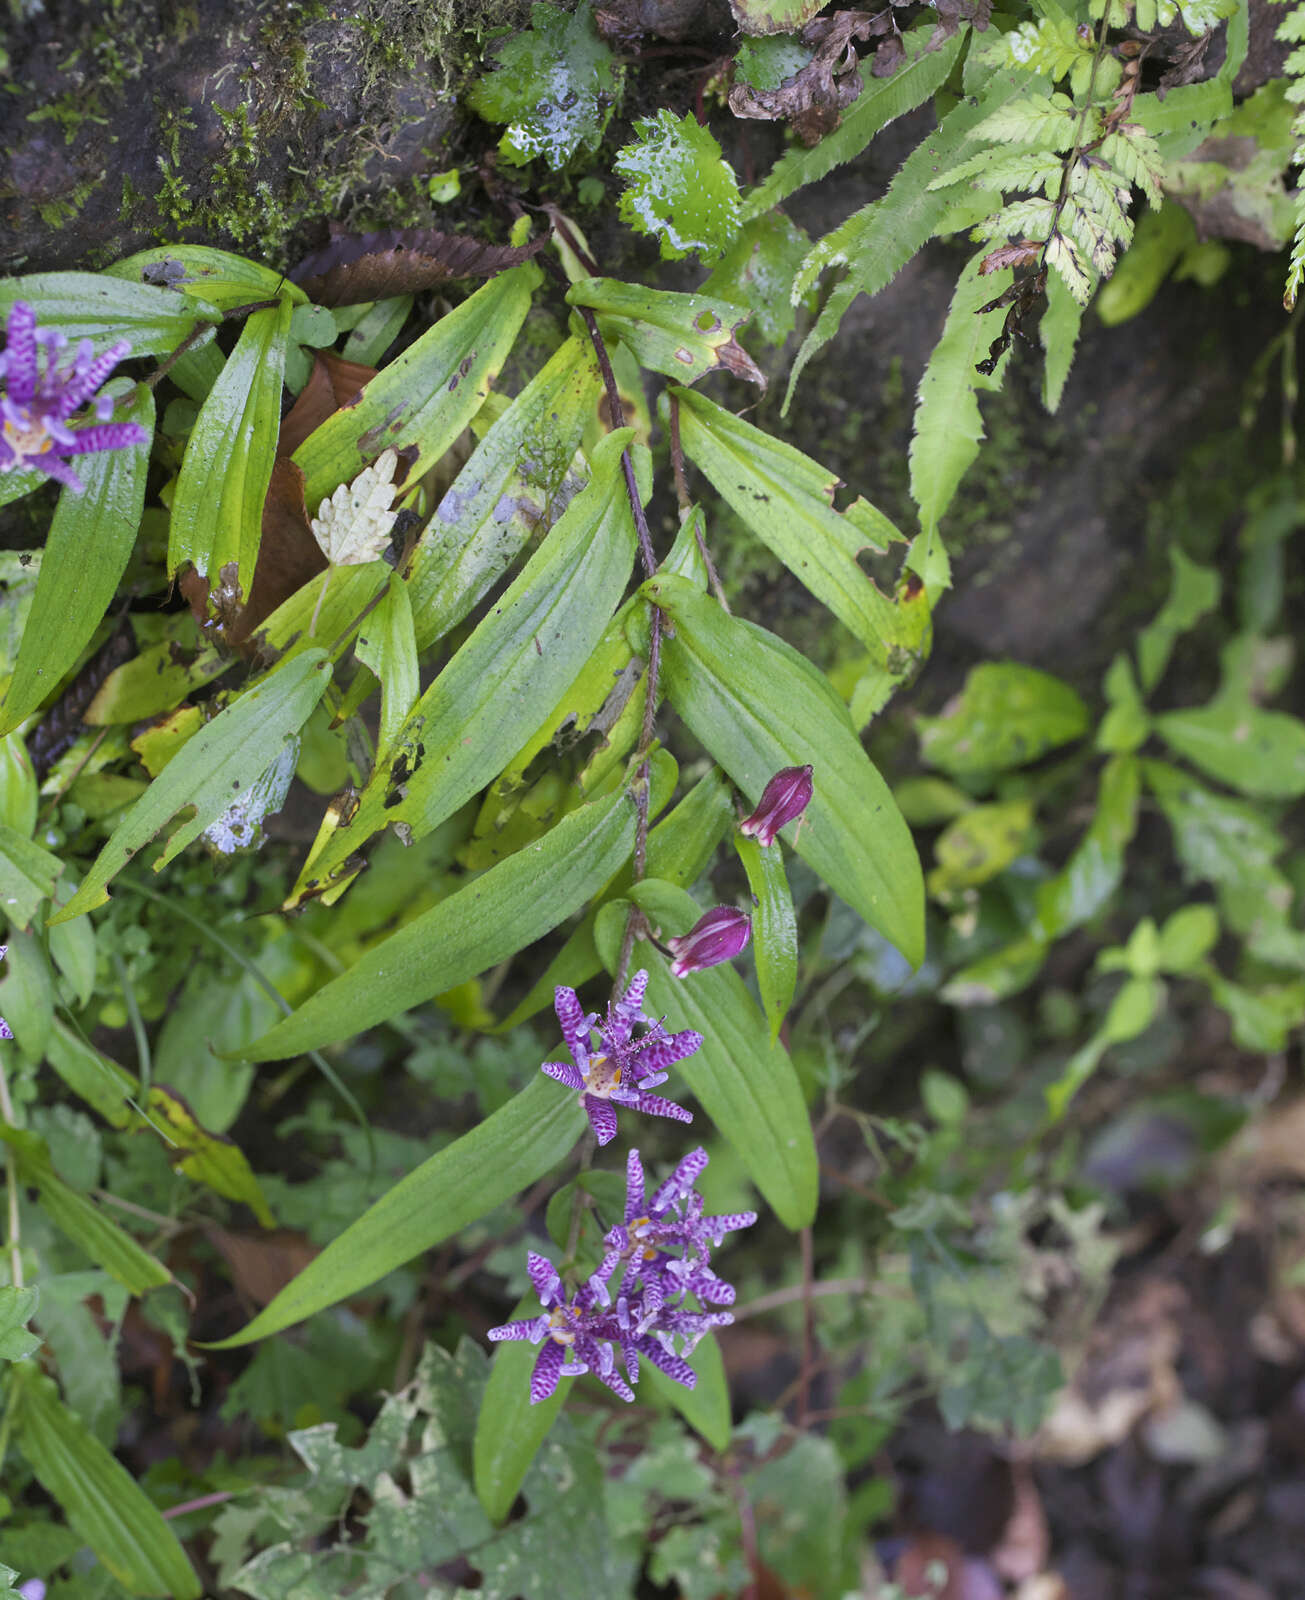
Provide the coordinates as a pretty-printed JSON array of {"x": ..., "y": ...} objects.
[
  {"x": 240, "y": 123},
  {"x": 253, "y": 125}
]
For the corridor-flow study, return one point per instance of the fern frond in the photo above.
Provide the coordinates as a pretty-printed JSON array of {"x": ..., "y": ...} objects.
[
  {"x": 1065, "y": 256},
  {"x": 998, "y": 169},
  {"x": 1053, "y": 47},
  {"x": 1045, "y": 122},
  {"x": 1135, "y": 156},
  {"x": 1296, "y": 268},
  {"x": 1023, "y": 219},
  {"x": 1091, "y": 229},
  {"x": 1094, "y": 187}
]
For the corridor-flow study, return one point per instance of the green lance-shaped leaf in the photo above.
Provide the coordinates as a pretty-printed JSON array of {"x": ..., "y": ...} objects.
[
  {"x": 108, "y": 1245},
  {"x": 427, "y": 395},
  {"x": 1058, "y": 333},
  {"x": 388, "y": 645},
  {"x": 223, "y": 759},
  {"x": 948, "y": 426},
  {"x": 1256, "y": 752},
  {"x": 505, "y": 493},
  {"x": 881, "y": 101},
  {"x": 758, "y": 706},
  {"x": 491, "y": 918},
  {"x": 217, "y": 276},
  {"x": 27, "y": 876},
  {"x": 681, "y": 335},
  {"x": 98, "y": 1495},
  {"x": 94, "y": 1078},
  {"x": 90, "y": 542},
  {"x": 511, "y": 671},
  {"x": 504, "y": 1154},
  {"x": 680, "y": 849},
  {"x": 204, "y": 1157},
  {"x": 87, "y": 305},
  {"x": 786, "y": 499},
  {"x": 509, "y": 1429},
  {"x": 16, "y": 1308},
  {"x": 744, "y": 1082},
  {"x": 217, "y": 510},
  {"x": 774, "y": 928}
]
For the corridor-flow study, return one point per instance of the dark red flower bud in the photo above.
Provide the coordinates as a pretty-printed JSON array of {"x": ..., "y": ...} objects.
[
  {"x": 718, "y": 936},
  {"x": 785, "y": 798}
]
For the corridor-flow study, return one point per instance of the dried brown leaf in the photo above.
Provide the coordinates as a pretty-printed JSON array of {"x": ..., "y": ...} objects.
[
  {"x": 332, "y": 383},
  {"x": 374, "y": 266},
  {"x": 261, "y": 1264}
]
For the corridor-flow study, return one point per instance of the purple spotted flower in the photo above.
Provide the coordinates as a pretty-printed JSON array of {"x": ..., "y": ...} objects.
[
  {"x": 668, "y": 1238},
  {"x": 577, "y": 1334},
  {"x": 784, "y": 799},
  {"x": 718, "y": 935},
  {"x": 39, "y": 397},
  {"x": 621, "y": 1069}
]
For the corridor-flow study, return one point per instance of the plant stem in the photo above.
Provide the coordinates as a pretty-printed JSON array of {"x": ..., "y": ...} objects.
[{"x": 11, "y": 1185}]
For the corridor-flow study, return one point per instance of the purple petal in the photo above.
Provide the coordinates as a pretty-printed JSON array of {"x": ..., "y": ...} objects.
[
  {"x": 663, "y": 1053},
  {"x": 634, "y": 1186},
  {"x": 602, "y": 1118},
  {"x": 86, "y": 379},
  {"x": 531, "y": 1329},
  {"x": 20, "y": 352},
  {"x": 615, "y": 1383},
  {"x": 105, "y": 436},
  {"x": 59, "y": 470},
  {"x": 543, "y": 1275},
  {"x": 548, "y": 1368},
  {"x": 673, "y": 1366},
  {"x": 565, "y": 1073},
  {"x": 6, "y": 1032},
  {"x": 574, "y": 1024},
  {"x": 626, "y": 1011},
  {"x": 655, "y": 1106},
  {"x": 715, "y": 1228},
  {"x": 680, "y": 1181}
]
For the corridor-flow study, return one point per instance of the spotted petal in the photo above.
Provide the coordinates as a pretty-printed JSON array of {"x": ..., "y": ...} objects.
[
  {"x": 626, "y": 1011},
  {"x": 663, "y": 1053},
  {"x": 548, "y": 1369},
  {"x": 602, "y": 1118},
  {"x": 680, "y": 1181},
  {"x": 655, "y": 1106},
  {"x": 634, "y": 1186},
  {"x": 672, "y": 1365},
  {"x": 20, "y": 353},
  {"x": 565, "y": 1073},
  {"x": 573, "y": 1022}
]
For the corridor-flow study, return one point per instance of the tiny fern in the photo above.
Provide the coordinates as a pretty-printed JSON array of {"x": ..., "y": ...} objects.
[{"x": 1292, "y": 31}]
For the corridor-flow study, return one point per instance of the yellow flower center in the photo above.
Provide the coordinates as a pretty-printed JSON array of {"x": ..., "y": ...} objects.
[
  {"x": 602, "y": 1078},
  {"x": 28, "y": 438}
]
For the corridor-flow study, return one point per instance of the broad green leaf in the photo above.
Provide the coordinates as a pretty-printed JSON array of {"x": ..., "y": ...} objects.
[
  {"x": 744, "y": 1082},
  {"x": 27, "y": 992},
  {"x": 1259, "y": 753},
  {"x": 483, "y": 923},
  {"x": 216, "y": 276},
  {"x": 681, "y": 335},
  {"x": 555, "y": 85},
  {"x": 680, "y": 848},
  {"x": 388, "y": 645},
  {"x": 88, "y": 305},
  {"x": 679, "y": 189},
  {"x": 97, "y": 1494},
  {"x": 881, "y": 101},
  {"x": 1063, "y": 902},
  {"x": 27, "y": 875},
  {"x": 1005, "y": 716},
  {"x": 507, "y": 1152},
  {"x": 757, "y": 270},
  {"x": 313, "y": 620},
  {"x": 496, "y": 689},
  {"x": 90, "y": 541},
  {"x": 1217, "y": 839},
  {"x": 758, "y": 706},
  {"x": 878, "y": 241},
  {"x": 1262, "y": 1018},
  {"x": 786, "y": 499},
  {"x": 16, "y": 1309},
  {"x": 217, "y": 508},
  {"x": 223, "y": 759},
  {"x": 108, "y": 1245},
  {"x": 427, "y": 395},
  {"x": 948, "y": 425},
  {"x": 774, "y": 928},
  {"x": 977, "y": 846},
  {"x": 1058, "y": 333},
  {"x": 1126, "y": 725},
  {"x": 1187, "y": 937},
  {"x": 1193, "y": 591},
  {"x": 155, "y": 681},
  {"x": 705, "y": 1407},
  {"x": 509, "y": 1430},
  {"x": 205, "y": 1157},
  {"x": 507, "y": 490},
  {"x": 376, "y": 329}
]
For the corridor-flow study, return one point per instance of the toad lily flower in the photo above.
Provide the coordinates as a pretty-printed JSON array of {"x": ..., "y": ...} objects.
[
  {"x": 717, "y": 936},
  {"x": 577, "y": 1334},
  {"x": 783, "y": 800},
  {"x": 38, "y": 397},
  {"x": 621, "y": 1070},
  {"x": 668, "y": 1237}
]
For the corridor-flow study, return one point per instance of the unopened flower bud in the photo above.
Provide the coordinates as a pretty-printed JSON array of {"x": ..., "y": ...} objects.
[
  {"x": 784, "y": 799},
  {"x": 718, "y": 936}
]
